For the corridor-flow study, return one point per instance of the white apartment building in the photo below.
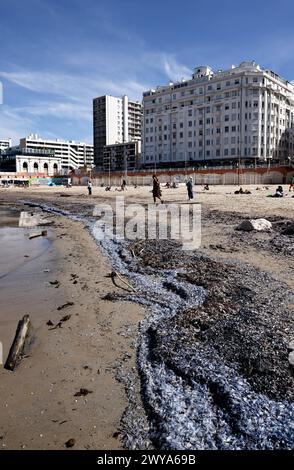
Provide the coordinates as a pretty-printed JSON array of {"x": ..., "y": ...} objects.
[
  {"x": 5, "y": 144},
  {"x": 115, "y": 121},
  {"x": 242, "y": 114},
  {"x": 122, "y": 157},
  {"x": 73, "y": 154}
]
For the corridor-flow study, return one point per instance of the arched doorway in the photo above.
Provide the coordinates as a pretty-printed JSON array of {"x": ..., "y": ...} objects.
[
  {"x": 46, "y": 168},
  {"x": 36, "y": 167},
  {"x": 55, "y": 168},
  {"x": 25, "y": 167}
]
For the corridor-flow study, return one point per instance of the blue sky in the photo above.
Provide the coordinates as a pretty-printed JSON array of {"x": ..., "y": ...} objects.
[{"x": 57, "y": 55}]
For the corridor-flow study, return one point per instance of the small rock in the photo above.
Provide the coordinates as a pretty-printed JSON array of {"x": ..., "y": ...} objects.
[
  {"x": 70, "y": 443},
  {"x": 49, "y": 323},
  {"x": 260, "y": 225}
]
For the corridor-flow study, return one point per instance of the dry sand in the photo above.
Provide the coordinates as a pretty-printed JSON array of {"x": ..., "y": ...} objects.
[{"x": 39, "y": 410}]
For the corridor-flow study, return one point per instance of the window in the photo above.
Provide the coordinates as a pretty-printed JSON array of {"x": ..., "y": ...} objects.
[
  {"x": 190, "y": 123},
  {"x": 227, "y": 117},
  {"x": 226, "y": 129},
  {"x": 228, "y": 83},
  {"x": 226, "y": 152}
]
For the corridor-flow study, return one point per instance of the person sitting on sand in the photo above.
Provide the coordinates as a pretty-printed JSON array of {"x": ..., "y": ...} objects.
[
  {"x": 108, "y": 188},
  {"x": 156, "y": 191},
  {"x": 291, "y": 187},
  {"x": 240, "y": 191},
  {"x": 279, "y": 192},
  {"x": 206, "y": 187}
]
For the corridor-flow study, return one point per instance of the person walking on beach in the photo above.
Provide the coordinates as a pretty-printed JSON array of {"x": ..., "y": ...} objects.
[
  {"x": 189, "y": 185},
  {"x": 156, "y": 191},
  {"x": 90, "y": 187},
  {"x": 291, "y": 187}
]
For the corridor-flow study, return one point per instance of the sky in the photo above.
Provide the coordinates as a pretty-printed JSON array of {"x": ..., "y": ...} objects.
[{"x": 57, "y": 55}]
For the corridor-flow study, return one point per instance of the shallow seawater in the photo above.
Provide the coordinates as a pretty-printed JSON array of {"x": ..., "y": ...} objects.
[
  {"x": 22, "y": 273},
  {"x": 9, "y": 217},
  {"x": 15, "y": 246}
]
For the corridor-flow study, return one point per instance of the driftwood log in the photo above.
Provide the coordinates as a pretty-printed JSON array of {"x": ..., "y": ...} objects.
[{"x": 17, "y": 347}]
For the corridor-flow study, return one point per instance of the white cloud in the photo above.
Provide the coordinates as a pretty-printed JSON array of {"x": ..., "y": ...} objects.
[
  {"x": 174, "y": 70},
  {"x": 67, "y": 93},
  {"x": 14, "y": 125}
]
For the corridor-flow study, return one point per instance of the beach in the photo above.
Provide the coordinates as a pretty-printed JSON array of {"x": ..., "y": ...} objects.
[{"x": 105, "y": 345}]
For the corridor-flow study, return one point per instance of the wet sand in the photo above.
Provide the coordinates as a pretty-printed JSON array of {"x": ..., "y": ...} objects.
[{"x": 39, "y": 408}]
